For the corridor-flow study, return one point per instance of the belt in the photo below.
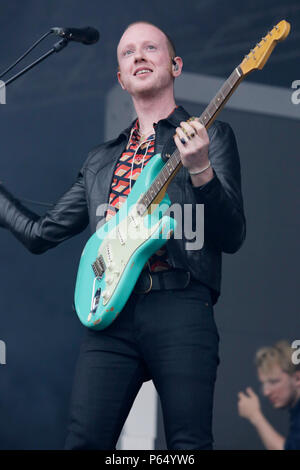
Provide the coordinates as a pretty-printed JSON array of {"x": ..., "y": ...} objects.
[{"x": 164, "y": 280}]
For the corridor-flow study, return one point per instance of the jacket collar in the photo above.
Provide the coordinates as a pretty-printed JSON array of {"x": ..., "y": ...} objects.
[{"x": 179, "y": 114}]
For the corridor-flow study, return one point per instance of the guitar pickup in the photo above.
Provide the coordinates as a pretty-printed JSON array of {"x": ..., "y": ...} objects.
[
  {"x": 120, "y": 236},
  {"x": 133, "y": 220},
  {"x": 99, "y": 266}
]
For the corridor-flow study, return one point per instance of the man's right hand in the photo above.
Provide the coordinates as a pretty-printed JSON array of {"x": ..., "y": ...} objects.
[{"x": 248, "y": 404}]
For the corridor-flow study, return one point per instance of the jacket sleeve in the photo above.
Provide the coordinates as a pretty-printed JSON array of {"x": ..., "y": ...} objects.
[
  {"x": 222, "y": 196},
  {"x": 68, "y": 217}
]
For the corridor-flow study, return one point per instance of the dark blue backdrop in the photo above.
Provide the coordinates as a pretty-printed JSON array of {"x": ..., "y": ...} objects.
[{"x": 53, "y": 117}]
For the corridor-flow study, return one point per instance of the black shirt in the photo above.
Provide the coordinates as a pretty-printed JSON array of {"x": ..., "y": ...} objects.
[{"x": 293, "y": 440}]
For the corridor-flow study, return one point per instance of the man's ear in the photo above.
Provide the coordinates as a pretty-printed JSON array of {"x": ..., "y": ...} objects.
[
  {"x": 120, "y": 80},
  {"x": 297, "y": 377},
  {"x": 177, "y": 64}
]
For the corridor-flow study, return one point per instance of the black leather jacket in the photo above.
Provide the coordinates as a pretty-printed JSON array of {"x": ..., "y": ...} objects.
[{"x": 224, "y": 218}]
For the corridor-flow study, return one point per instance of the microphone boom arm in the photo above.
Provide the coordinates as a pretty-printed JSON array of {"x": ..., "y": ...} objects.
[{"x": 56, "y": 48}]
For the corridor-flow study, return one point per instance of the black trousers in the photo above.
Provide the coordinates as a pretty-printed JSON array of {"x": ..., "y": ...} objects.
[{"x": 169, "y": 336}]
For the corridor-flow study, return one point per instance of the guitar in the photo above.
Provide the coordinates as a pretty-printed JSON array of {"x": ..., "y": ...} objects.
[{"x": 116, "y": 253}]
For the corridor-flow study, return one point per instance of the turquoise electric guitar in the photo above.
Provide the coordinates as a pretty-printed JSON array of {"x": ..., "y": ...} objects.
[{"x": 116, "y": 253}]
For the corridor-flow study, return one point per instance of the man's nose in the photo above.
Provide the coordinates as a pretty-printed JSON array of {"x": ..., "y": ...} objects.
[
  {"x": 139, "y": 56},
  {"x": 266, "y": 390}
]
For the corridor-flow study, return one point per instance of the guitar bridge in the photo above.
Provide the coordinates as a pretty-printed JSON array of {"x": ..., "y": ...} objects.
[{"x": 99, "y": 266}]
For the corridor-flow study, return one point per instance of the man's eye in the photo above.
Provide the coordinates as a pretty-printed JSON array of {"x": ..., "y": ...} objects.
[
  {"x": 151, "y": 47},
  {"x": 129, "y": 51}
]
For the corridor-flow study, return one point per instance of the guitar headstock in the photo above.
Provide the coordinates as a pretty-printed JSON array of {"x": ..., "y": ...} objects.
[{"x": 258, "y": 56}]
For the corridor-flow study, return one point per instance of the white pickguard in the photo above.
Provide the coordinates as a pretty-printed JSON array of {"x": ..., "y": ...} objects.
[{"x": 119, "y": 245}]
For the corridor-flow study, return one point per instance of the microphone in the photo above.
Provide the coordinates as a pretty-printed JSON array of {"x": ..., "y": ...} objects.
[{"x": 86, "y": 35}]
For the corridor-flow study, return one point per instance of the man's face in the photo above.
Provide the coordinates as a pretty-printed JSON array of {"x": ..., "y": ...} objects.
[
  {"x": 144, "y": 60},
  {"x": 278, "y": 386}
]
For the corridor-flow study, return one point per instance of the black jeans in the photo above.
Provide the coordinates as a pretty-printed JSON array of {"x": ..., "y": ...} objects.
[{"x": 167, "y": 336}]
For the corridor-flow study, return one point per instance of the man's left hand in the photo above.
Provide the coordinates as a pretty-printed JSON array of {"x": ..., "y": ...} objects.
[{"x": 192, "y": 141}]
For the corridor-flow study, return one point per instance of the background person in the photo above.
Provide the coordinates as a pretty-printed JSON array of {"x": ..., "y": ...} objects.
[{"x": 280, "y": 381}]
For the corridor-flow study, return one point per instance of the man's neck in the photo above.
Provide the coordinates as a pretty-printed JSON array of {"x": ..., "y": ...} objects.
[{"x": 151, "y": 109}]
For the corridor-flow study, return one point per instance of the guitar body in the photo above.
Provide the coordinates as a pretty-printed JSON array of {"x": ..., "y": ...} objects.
[{"x": 122, "y": 246}]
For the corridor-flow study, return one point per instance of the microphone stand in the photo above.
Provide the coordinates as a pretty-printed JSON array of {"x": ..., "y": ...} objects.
[{"x": 56, "y": 48}]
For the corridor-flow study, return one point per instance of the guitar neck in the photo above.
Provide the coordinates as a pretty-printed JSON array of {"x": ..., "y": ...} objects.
[
  {"x": 159, "y": 186},
  {"x": 218, "y": 102}
]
